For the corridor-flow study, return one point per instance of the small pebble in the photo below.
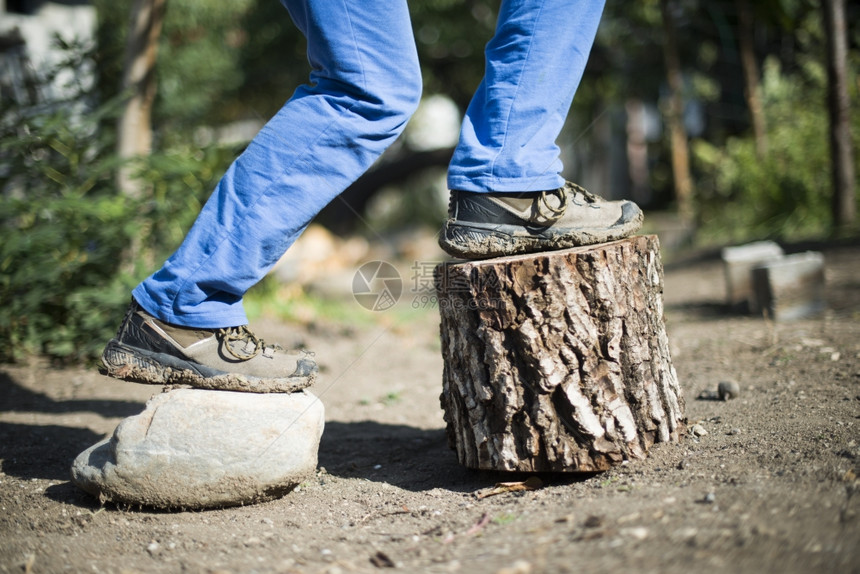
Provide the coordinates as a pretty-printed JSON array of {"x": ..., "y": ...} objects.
[
  {"x": 637, "y": 532},
  {"x": 593, "y": 521},
  {"x": 728, "y": 390},
  {"x": 710, "y": 498},
  {"x": 698, "y": 430}
]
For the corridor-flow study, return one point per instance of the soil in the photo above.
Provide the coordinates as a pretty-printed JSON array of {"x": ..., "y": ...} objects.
[{"x": 766, "y": 482}]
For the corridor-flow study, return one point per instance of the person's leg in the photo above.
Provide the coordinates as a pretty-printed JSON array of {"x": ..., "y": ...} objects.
[
  {"x": 508, "y": 195},
  {"x": 186, "y": 324},
  {"x": 534, "y": 64},
  {"x": 364, "y": 86}
]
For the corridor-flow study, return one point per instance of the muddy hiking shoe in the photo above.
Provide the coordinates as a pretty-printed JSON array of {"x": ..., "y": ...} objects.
[
  {"x": 494, "y": 224},
  {"x": 146, "y": 350}
]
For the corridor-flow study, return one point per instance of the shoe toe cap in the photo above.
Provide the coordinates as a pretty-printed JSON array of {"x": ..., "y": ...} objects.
[{"x": 630, "y": 212}]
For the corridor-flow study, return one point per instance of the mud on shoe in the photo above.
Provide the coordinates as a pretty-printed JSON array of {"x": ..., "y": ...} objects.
[
  {"x": 483, "y": 225},
  {"x": 147, "y": 350}
]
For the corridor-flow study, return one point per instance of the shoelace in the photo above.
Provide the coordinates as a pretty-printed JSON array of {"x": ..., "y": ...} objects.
[
  {"x": 589, "y": 197},
  {"x": 252, "y": 347},
  {"x": 552, "y": 213},
  {"x": 547, "y": 211}
]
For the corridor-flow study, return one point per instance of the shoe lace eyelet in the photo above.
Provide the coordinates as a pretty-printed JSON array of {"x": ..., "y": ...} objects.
[{"x": 252, "y": 347}]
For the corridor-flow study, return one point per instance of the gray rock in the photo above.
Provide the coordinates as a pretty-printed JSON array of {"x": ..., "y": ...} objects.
[
  {"x": 194, "y": 448},
  {"x": 728, "y": 390}
]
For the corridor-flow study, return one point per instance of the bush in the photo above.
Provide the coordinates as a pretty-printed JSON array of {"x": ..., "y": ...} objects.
[
  {"x": 787, "y": 193},
  {"x": 72, "y": 245},
  {"x": 63, "y": 234}
]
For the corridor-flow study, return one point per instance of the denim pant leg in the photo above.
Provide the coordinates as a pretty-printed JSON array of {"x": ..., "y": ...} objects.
[
  {"x": 534, "y": 64},
  {"x": 364, "y": 85}
]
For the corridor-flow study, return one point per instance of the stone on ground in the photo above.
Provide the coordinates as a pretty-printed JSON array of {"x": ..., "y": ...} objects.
[
  {"x": 194, "y": 448},
  {"x": 738, "y": 263}
]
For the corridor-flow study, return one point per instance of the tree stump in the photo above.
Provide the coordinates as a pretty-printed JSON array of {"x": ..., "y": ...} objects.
[{"x": 558, "y": 361}]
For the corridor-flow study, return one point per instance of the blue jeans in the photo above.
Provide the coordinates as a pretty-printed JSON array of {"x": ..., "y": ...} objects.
[{"x": 364, "y": 86}]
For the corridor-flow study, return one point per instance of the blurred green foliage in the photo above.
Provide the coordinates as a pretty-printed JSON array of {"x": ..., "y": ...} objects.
[
  {"x": 785, "y": 194},
  {"x": 199, "y": 59},
  {"x": 72, "y": 246},
  {"x": 63, "y": 234}
]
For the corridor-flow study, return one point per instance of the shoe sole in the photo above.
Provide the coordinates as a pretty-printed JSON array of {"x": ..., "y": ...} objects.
[
  {"x": 477, "y": 241},
  {"x": 127, "y": 363}
]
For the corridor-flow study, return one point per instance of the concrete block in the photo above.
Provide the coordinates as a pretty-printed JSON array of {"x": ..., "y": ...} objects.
[
  {"x": 738, "y": 262},
  {"x": 791, "y": 287}
]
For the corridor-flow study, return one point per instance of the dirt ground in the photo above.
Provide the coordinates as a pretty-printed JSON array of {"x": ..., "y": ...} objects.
[{"x": 771, "y": 487}]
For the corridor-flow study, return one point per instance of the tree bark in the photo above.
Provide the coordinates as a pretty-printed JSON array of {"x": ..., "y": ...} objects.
[
  {"x": 675, "y": 118},
  {"x": 558, "y": 361},
  {"x": 134, "y": 136},
  {"x": 751, "y": 77},
  {"x": 844, "y": 207}
]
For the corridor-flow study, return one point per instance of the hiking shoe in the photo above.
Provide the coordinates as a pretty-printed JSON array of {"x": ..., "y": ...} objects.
[
  {"x": 146, "y": 350},
  {"x": 494, "y": 224}
]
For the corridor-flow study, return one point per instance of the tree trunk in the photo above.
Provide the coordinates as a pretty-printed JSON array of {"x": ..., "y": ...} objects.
[
  {"x": 675, "y": 118},
  {"x": 637, "y": 152},
  {"x": 751, "y": 76},
  {"x": 844, "y": 207},
  {"x": 134, "y": 136},
  {"x": 558, "y": 361}
]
